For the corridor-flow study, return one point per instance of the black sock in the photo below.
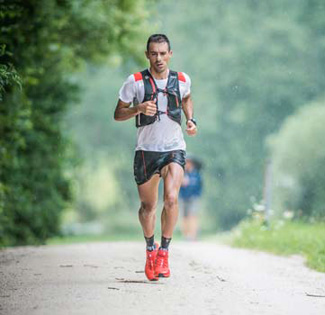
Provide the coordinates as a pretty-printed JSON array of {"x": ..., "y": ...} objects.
[
  {"x": 150, "y": 242},
  {"x": 165, "y": 242}
]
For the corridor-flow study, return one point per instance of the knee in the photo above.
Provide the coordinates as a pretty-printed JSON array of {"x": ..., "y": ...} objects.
[
  {"x": 170, "y": 201},
  {"x": 148, "y": 208}
]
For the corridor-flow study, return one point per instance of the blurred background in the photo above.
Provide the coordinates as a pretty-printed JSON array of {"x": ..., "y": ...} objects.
[{"x": 258, "y": 81}]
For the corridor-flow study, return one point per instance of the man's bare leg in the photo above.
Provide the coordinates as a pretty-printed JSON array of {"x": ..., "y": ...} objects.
[
  {"x": 185, "y": 227},
  {"x": 193, "y": 227},
  {"x": 148, "y": 194},
  {"x": 173, "y": 175}
]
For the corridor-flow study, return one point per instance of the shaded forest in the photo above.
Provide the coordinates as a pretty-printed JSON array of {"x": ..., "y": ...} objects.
[
  {"x": 42, "y": 44},
  {"x": 257, "y": 70},
  {"x": 253, "y": 65}
]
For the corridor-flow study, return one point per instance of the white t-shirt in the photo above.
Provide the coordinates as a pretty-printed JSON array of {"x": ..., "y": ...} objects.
[{"x": 164, "y": 134}]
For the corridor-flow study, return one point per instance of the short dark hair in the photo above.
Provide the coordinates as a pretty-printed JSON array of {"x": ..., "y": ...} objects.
[{"x": 158, "y": 38}]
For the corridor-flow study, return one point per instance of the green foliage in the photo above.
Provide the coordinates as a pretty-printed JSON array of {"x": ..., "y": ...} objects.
[
  {"x": 261, "y": 61},
  {"x": 298, "y": 152},
  {"x": 285, "y": 238},
  {"x": 252, "y": 65},
  {"x": 105, "y": 187},
  {"x": 8, "y": 77},
  {"x": 42, "y": 43}
]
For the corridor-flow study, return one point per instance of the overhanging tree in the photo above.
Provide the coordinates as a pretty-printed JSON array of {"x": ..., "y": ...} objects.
[{"x": 42, "y": 42}]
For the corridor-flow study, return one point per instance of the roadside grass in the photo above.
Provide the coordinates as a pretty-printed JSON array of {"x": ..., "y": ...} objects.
[{"x": 284, "y": 238}]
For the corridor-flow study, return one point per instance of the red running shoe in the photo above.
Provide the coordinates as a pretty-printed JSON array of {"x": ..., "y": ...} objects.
[
  {"x": 149, "y": 269},
  {"x": 162, "y": 268}
]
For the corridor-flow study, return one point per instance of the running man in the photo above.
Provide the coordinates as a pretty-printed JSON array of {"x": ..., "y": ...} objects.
[{"x": 158, "y": 95}]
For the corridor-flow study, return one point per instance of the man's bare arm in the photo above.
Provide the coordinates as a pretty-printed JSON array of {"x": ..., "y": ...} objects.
[
  {"x": 187, "y": 105},
  {"x": 123, "y": 111}
]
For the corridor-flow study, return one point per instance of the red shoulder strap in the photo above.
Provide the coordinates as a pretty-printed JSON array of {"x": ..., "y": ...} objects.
[
  {"x": 138, "y": 76},
  {"x": 181, "y": 77}
]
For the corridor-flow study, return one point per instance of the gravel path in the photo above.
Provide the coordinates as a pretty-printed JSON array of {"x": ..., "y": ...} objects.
[{"x": 108, "y": 278}]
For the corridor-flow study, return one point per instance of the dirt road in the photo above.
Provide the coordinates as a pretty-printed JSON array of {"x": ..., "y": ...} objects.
[{"x": 108, "y": 278}]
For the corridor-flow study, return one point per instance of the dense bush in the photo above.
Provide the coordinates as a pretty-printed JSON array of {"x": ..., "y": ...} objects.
[
  {"x": 298, "y": 152},
  {"x": 42, "y": 42}
]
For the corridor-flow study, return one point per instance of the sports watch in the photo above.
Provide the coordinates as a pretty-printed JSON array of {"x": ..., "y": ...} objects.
[{"x": 192, "y": 120}]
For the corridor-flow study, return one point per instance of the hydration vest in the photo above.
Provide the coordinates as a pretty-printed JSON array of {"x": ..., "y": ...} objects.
[{"x": 151, "y": 91}]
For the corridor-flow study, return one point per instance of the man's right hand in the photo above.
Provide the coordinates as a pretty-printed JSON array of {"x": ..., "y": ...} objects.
[{"x": 148, "y": 108}]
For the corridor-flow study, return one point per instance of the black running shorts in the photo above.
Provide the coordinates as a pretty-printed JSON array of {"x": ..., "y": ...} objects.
[{"x": 148, "y": 163}]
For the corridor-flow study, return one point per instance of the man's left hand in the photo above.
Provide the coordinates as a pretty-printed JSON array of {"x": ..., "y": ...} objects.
[{"x": 191, "y": 128}]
